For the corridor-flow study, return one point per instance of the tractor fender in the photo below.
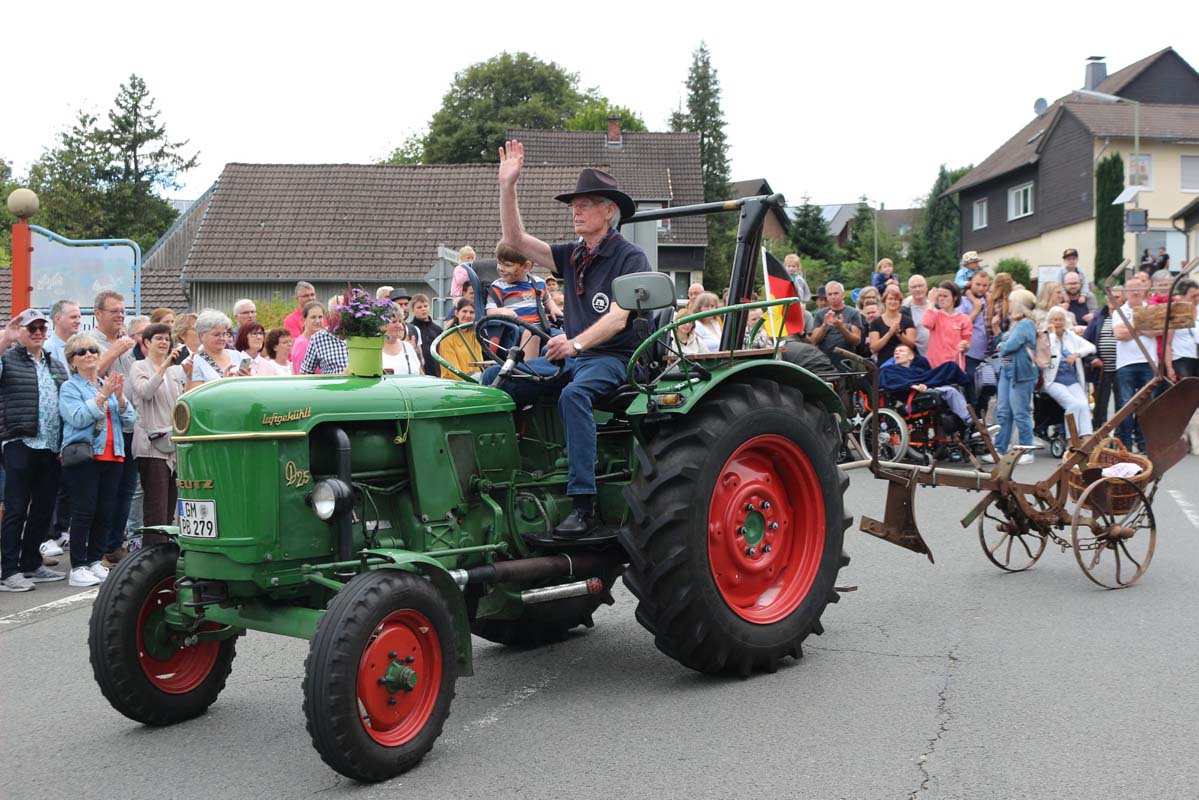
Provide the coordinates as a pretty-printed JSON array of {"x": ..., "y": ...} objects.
[
  {"x": 437, "y": 574},
  {"x": 783, "y": 372}
]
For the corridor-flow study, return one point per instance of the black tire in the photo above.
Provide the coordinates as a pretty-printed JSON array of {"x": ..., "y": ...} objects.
[
  {"x": 544, "y": 623},
  {"x": 153, "y": 691},
  {"x": 1057, "y": 447},
  {"x": 369, "y": 626},
  {"x": 672, "y": 570}
]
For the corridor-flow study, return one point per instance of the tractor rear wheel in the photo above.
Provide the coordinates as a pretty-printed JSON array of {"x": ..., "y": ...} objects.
[
  {"x": 737, "y": 527},
  {"x": 380, "y": 675},
  {"x": 141, "y": 664}
]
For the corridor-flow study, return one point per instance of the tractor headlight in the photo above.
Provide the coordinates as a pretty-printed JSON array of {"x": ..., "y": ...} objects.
[{"x": 330, "y": 497}]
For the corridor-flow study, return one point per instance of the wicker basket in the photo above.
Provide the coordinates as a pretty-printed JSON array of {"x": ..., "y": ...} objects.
[
  {"x": 1123, "y": 496},
  {"x": 1153, "y": 318}
]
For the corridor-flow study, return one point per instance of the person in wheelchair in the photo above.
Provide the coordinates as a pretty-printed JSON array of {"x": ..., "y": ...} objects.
[
  {"x": 589, "y": 359},
  {"x": 906, "y": 371}
]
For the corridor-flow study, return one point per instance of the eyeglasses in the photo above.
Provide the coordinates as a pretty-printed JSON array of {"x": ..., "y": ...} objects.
[
  {"x": 95, "y": 351},
  {"x": 116, "y": 312}
]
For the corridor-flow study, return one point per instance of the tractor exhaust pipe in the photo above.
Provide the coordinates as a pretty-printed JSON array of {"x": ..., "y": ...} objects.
[
  {"x": 562, "y": 591},
  {"x": 525, "y": 570}
]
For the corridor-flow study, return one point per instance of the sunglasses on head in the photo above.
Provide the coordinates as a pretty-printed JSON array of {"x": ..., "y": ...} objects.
[{"x": 85, "y": 350}]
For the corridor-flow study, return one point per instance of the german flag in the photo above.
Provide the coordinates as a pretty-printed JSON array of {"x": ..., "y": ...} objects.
[{"x": 779, "y": 285}]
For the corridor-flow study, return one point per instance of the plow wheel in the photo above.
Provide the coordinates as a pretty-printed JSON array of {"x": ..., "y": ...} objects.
[
  {"x": 144, "y": 667},
  {"x": 1009, "y": 542},
  {"x": 1113, "y": 548},
  {"x": 380, "y": 675},
  {"x": 737, "y": 525}
]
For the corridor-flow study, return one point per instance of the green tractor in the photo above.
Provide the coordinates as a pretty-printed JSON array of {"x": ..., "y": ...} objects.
[{"x": 388, "y": 519}]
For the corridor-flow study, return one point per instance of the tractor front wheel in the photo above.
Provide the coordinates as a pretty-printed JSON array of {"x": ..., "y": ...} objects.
[
  {"x": 380, "y": 675},
  {"x": 738, "y": 522},
  {"x": 143, "y": 666}
]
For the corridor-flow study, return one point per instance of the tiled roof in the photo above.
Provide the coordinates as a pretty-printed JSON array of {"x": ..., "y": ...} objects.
[
  {"x": 1161, "y": 122},
  {"x": 1118, "y": 80},
  {"x": 647, "y": 166},
  {"x": 362, "y": 222},
  {"x": 164, "y": 261}
]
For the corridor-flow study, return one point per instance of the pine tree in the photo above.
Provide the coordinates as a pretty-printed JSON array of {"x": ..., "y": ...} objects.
[
  {"x": 809, "y": 232},
  {"x": 704, "y": 116},
  {"x": 935, "y": 250},
  {"x": 1109, "y": 219},
  {"x": 71, "y": 180}
]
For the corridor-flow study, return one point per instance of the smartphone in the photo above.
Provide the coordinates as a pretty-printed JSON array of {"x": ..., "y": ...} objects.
[{"x": 246, "y": 363}]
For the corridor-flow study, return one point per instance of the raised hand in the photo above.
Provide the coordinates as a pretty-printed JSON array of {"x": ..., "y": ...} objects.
[{"x": 512, "y": 160}]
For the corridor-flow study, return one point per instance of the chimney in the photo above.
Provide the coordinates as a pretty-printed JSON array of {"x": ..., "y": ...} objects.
[
  {"x": 1096, "y": 72},
  {"x": 614, "y": 131}
]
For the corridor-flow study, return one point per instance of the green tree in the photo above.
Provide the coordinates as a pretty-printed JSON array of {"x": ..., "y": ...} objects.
[
  {"x": 6, "y": 219},
  {"x": 71, "y": 181},
  {"x": 487, "y": 99},
  {"x": 411, "y": 151},
  {"x": 593, "y": 116},
  {"x": 935, "y": 247},
  {"x": 704, "y": 116},
  {"x": 1109, "y": 219},
  {"x": 809, "y": 232}
]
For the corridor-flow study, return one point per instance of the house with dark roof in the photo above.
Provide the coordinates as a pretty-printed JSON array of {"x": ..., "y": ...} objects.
[
  {"x": 1034, "y": 196},
  {"x": 658, "y": 170},
  {"x": 263, "y": 227}
]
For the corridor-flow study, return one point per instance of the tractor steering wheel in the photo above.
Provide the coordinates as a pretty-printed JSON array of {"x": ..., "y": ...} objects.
[{"x": 503, "y": 355}]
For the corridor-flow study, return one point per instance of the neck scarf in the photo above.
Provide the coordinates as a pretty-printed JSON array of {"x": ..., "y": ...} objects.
[{"x": 582, "y": 256}]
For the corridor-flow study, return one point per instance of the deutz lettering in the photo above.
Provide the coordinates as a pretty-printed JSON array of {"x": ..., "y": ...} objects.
[
  {"x": 274, "y": 418},
  {"x": 190, "y": 484}
]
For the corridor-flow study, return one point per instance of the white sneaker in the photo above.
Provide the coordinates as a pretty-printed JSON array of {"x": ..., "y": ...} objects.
[
  {"x": 63, "y": 539},
  {"x": 82, "y": 576},
  {"x": 49, "y": 548},
  {"x": 987, "y": 458},
  {"x": 99, "y": 570},
  {"x": 16, "y": 583},
  {"x": 1025, "y": 458}
]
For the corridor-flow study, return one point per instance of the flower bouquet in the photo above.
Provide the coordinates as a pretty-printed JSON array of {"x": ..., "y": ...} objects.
[{"x": 361, "y": 321}]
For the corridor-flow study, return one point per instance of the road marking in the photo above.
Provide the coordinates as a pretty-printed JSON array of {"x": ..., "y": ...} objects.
[
  {"x": 61, "y": 604},
  {"x": 1186, "y": 505},
  {"x": 518, "y": 696}
]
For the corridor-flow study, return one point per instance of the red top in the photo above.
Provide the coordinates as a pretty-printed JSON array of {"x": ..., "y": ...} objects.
[
  {"x": 110, "y": 453},
  {"x": 294, "y": 322}
]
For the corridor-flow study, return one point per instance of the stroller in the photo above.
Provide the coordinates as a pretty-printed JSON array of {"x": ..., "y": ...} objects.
[{"x": 1049, "y": 423}]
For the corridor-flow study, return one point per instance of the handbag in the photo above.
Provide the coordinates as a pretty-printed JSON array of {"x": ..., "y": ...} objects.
[
  {"x": 76, "y": 453},
  {"x": 162, "y": 442}
]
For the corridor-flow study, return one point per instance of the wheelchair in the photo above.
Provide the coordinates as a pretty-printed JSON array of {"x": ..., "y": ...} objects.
[{"x": 912, "y": 425}]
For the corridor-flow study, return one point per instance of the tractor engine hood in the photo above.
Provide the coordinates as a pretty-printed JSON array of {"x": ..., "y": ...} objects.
[{"x": 292, "y": 406}]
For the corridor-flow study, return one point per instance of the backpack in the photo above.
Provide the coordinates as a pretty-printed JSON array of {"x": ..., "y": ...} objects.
[{"x": 1042, "y": 357}]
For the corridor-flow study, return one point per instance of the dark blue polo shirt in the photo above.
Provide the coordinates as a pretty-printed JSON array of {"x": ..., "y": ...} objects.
[{"x": 617, "y": 257}]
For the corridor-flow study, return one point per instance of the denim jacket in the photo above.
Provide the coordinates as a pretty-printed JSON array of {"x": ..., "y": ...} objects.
[
  {"x": 1015, "y": 344},
  {"x": 82, "y": 419}
]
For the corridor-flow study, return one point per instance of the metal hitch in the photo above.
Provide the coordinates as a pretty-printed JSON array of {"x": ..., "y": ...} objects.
[{"x": 899, "y": 525}]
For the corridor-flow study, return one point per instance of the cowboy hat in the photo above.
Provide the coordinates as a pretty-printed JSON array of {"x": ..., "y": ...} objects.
[{"x": 597, "y": 182}]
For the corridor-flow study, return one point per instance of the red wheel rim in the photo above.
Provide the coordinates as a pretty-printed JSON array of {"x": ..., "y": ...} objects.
[
  {"x": 399, "y": 677},
  {"x": 766, "y": 529},
  {"x": 171, "y": 667}
]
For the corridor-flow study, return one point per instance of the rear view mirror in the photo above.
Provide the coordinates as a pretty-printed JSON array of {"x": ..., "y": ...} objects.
[{"x": 643, "y": 291}]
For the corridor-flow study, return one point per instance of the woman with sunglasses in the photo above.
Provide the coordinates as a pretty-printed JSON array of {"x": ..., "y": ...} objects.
[{"x": 95, "y": 412}]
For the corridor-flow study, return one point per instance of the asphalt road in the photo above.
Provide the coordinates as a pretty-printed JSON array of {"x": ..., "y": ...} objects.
[{"x": 952, "y": 680}]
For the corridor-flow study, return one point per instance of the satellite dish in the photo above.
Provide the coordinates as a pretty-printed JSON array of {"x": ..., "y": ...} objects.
[{"x": 1040, "y": 106}]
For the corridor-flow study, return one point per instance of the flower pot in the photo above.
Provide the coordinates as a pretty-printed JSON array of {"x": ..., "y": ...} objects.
[{"x": 366, "y": 356}]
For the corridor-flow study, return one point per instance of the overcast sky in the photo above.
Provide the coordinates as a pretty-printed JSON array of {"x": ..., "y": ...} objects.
[{"x": 834, "y": 100}]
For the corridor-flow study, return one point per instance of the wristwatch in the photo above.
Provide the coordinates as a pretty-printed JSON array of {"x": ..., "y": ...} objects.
[{"x": 578, "y": 347}]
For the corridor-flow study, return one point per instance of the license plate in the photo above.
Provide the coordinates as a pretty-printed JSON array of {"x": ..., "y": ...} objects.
[{"x": 198, "y": 518}]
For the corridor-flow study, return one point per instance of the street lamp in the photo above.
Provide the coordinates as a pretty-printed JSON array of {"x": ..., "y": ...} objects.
[{"x": 1136, "y": 130}]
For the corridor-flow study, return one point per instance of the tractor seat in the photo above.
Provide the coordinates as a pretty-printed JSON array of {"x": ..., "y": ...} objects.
[{"x": 616, "y": 401}]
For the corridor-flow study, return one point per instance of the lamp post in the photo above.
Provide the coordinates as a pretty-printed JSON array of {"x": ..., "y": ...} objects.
[
  {"x": 1136, "y": 131},
  {"x": 22, "y": 204}
]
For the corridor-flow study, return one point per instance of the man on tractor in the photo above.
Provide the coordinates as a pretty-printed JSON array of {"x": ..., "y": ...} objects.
[{"x": 599, "y": 339}]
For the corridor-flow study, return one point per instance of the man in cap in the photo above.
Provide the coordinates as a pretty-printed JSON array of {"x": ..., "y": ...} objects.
[
  {"x": 971, "y": 264},
  {"x": 30, "y": 437},
  {"x": 1070, "y": 267},
  {"x": 598, "y": 339}
]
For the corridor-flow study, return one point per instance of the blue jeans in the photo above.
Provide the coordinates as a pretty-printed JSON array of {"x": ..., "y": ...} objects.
[
  {"x": 1130, "y": 379},
  {"x": 1014, "y": 402},
  {"x": 94, "y": 496},
  {"x": 584, "y": 379}
]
